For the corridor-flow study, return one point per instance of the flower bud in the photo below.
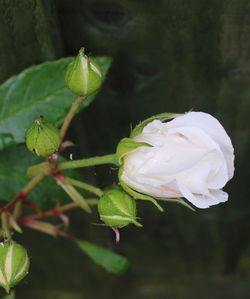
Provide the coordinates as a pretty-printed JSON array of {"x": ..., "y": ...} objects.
[
  {"x": 117, "y": 209},
  {"x": 14, "y": 264},
  {"x": 191, "y": 156},
  {"x": 83, "y": 76},
  {"x": 43, "y": 138}
]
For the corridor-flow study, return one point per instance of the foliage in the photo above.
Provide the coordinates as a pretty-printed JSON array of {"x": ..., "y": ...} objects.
[
  {"x": 37, "y": 90},
  {"x": 109, "y": 260}
]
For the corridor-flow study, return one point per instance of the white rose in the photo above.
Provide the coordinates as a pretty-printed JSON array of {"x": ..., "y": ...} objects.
[{"x": 191, "y": 156}]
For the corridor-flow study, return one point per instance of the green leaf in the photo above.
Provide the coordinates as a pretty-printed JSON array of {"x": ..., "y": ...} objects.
[
  {"x": 109, "y": 260},
  {"x": 6, "y": 140},
  {"x": 162, "y": 116},
  {"x": 14, "y": 162},
  {"x": 38, "y": 90}
]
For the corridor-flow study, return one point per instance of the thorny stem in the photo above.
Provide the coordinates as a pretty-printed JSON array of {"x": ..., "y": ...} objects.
[{"x": 70, "y": 116}]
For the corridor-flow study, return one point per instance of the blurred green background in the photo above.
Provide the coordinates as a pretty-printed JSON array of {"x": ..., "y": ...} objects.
[{"x": 172, "y": 55}]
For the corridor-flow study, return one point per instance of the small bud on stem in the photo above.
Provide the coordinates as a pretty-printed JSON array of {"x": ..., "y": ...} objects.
[
  {"x": 42, "y": 138},
  {"x": 83, "y": 76},
  {"x": 117, "y": 209}
]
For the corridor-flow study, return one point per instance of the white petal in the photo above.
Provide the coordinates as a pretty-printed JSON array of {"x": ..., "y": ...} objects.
[
  {"x": 203, "y": 201},
  {"x": 145, "y": 186},
  {"x": 170, "y": 155},
  {"x": 208, "y": 173},
  {"x": 213, "y": 128},
  {"x": 155, "y": 126}
]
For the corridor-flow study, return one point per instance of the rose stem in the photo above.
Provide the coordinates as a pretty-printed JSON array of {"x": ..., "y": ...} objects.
[
  {"x": 107, "y": 159},
  {"x": 5, "y": 225},
  {"x": 70, "y": 115},
  {"x": 24, "y": 192},
  {"x": 56, "y": 211}
]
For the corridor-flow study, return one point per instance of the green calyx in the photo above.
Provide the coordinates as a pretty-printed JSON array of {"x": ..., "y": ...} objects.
[
  {"x": 42, "y": 138},
  {"x": 136, "y": 195},
  {"x": 14, "y": 264},
  {"x": 162, "y": 117},
  {"x": 127, "y": 145},
  {"x": 117, "y": 209},
  {"x": 83, "y": 76}
]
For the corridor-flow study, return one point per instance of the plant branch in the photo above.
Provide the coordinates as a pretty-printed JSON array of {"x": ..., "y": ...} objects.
[
  {"x": 98, "y": 160},
  {"x": 5, "y": 225},
  {"x": 70, "y": 116},
  {"x": 57, "y": 211},
  {"x": 24, "y": 192}
]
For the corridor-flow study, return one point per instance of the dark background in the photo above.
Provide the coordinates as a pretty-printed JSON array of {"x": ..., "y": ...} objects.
[{"x": 172, "y": 55}]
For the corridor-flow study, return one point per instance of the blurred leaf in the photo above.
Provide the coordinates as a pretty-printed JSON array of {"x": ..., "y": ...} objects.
[
  {"x": 38, "y": 90},
  {"x": 109, "y": 260},
  {"x": 14, "y": 162},
  {"x": 6, "y": 140},
  {"x": 10, "y": 296}
]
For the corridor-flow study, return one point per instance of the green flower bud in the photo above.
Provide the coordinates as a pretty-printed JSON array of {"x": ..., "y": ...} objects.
[
  {"x": 83, "y": 76},
  {"x": 117, "y": 209},
  {"x": 43, "y": 138},
  {"x": 14, "y": 264}
]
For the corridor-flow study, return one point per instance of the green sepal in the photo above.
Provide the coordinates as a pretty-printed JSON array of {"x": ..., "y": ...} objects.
[
  {"x": 76, "y": 197},
  {"x": 180, "y": 201},
  {"x": 162, "y": 117},
  {"x": 137, "y": 195},
  {"x": 127, "y": 145}
]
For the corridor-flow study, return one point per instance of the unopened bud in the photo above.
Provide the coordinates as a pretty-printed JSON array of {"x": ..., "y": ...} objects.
[
  {"x": 83, "y": 76},
  {"x": 117, "y": 209},
  {"x": 14, "y": 264},
  {"x": 42, "y": 138}
]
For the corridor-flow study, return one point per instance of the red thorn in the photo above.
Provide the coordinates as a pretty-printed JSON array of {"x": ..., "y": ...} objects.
[{"x": 117, "y": 234}]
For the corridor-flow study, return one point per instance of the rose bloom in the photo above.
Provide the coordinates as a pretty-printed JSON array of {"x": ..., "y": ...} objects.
[{"x": 191, "y": 156}]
